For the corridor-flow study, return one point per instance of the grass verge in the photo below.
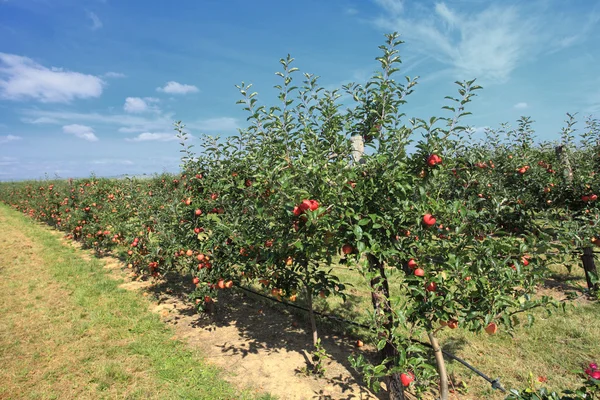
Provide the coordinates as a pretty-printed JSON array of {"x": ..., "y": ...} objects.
[{"x": 67, "y": 331}]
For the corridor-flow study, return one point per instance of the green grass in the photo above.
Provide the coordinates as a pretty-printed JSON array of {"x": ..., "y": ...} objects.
[
  {"x": 554, "y": 347},
  {"x": 68, "y": 331}
]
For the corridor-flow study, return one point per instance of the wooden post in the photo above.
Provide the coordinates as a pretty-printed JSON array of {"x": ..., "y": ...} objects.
[{"x": 589, "y": 267}]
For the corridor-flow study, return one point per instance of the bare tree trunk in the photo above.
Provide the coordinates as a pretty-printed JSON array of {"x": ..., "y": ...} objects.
[
  {"x": 380, "y": 294},
  {"x": 589, "y": 267},
  {"x": 311, "y": 316},
  {"x": 439, "y": 360}
]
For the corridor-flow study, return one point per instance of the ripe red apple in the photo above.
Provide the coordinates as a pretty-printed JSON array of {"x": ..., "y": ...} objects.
[
  {"x": 406, "y": 378},
  {"x": 491, "y": 328},
  {"x": 412, "y": 264},
  {"x": 419, "y": 272},
  {"x": 433, "y": 160},
  {"x": 198, "y": 212},
  {"x": 593, "y": 197},
  {"x": 347, "y": 249},
  {"x": 305, "y": 205},
  {"x": 221, "y": 284},
  {"x": 428, "y": 220},
  {"x": 453, "y": 324},
  {"x": 313, "y": 205},
  {"x": 196, "y": 280},
  {"x": 431, "y": 287},
  {"x": 359, "y": 343},
  {"x": 585, "y": 199},
  {"x": 297, "y": 211},
  {"x": 229, "y": 284}
]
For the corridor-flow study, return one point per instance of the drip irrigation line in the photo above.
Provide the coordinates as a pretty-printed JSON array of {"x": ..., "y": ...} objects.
[{"x": 494, "y": 382}]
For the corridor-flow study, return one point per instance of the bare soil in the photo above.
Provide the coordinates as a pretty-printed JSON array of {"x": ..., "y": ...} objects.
[{"x": 259, "y": 346}]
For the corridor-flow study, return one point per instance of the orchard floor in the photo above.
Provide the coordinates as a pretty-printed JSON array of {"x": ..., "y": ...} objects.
[{"x": 69, "y": 330}]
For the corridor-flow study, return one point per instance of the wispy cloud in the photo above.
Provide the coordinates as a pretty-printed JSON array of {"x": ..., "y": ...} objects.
[
  {"x": 111, "y": 74},
  {"x": 96, "y": 23},
  {"x": 9, "y": 138},
  {"x": 81, "y": 131},
  {"x": 521, "y": 106},
  {"x": 488, "y": 43},
  {"x": 173, "y": 87},
  {"x": 131, "y": 123},
  {"x": 22, "y": 78},
  {"x": 156, "y": 137},
  {"x": 139, "y": 105}
]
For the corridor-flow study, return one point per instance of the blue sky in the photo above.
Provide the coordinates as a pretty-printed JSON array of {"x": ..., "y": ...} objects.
[{"x": 95, "y": 85}]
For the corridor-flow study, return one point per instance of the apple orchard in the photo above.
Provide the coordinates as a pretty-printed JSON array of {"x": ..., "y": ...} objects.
[{"x": 463, "y": 226}]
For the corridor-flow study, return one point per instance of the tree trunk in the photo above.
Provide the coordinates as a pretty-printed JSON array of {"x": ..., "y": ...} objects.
[
  {"x": 589, "y": 267},
  {"x": 311, "y": 316},
  {"x": 380, "y": 294},
  {"x": 439, "y": 360}
]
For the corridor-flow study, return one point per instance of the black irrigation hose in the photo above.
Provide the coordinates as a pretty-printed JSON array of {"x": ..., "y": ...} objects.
[{"x": 494, "y": 382}]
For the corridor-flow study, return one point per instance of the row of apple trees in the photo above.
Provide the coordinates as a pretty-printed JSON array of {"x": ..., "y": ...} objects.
[{"x": 464, "y": 226}]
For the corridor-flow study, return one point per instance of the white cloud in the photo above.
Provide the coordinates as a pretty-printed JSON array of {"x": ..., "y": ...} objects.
[
  {"x": 41, "y": 120},
  {"x": 111, "y": 74},
  {"x": 158, "y": 137},
  {"x": 81, "y": 131},
  {"x": 139, "y": 105},
  {"x": 9, "y": 138},
  {"x": 173, "y": 87},
  {"x": 521, "y": 106},
  {"x": 132, "y": 123},
  {"x": 96, "y": 23},
  {"x": 488, "y": 43},
  {"x": 22, "y": 78}
]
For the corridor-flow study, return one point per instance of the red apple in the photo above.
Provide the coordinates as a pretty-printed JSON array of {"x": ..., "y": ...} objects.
[
  {"x": 198, "y": 212},
  {"x": 412, "y": 264},
  {"x": 196, "y": 280},
  {"x": 431, "y": 287},
  {"x": 347, "y": 249},
  {"x": 406, "y": 379},
  {"x": 491, "y": 328},
  {"x": 433, "y": 160},
  {"x": 428, "y": 220},
  {"x": 419, "y": 272},
  {"x": 305, "y": 205}
]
